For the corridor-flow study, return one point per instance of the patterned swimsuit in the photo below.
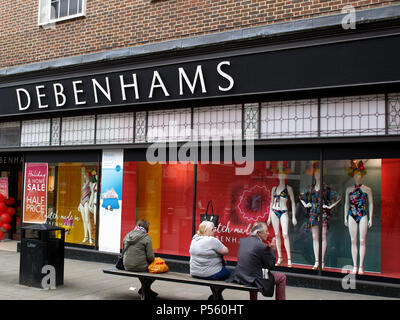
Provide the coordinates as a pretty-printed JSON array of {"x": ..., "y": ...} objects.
[
  {"x": 277, "y": 200},
  {"x": 358, "y": 203},
  {"x": 312, "y": 196}
]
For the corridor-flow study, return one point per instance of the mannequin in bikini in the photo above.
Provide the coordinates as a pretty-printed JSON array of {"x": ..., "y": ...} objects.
[
  {"x": 358, "y": 207},
  {"x": 83, "y": 207},
  {"x": 278, "y": 213},
  {"x": 310, "y": 200}
]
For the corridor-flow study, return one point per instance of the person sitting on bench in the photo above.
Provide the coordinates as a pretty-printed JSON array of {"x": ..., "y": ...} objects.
[
  {"x": 140, "y": 252},
  {"x": 206, "y": 254}
]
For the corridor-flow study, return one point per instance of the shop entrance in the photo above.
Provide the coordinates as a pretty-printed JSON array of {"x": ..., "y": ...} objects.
[{"x": 11, "y": 176}]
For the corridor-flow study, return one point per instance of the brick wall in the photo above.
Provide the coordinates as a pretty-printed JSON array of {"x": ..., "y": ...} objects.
[{"x": 122, "y": 23}]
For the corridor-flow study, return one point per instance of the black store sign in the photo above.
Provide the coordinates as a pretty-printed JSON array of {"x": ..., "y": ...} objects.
[{"x": 359, "y": 62}]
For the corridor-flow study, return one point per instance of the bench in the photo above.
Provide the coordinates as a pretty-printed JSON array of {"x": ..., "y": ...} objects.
[{"x": 147, "y": 278}]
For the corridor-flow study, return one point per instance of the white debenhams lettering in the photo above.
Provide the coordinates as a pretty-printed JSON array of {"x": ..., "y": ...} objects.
[
  {"x": 107, "y": 93},
  {"x": 76, "y": 92},
  {"x": 133, "y": 85},
  {"x": 156, "y": 76},
  {"x": 59, "y": 92},
  {"x": 40, "y": 96},
  {"x": 225, "y": 75},
  {"x": 28, "y": 97},
  {"x": 192, "y": 86}
]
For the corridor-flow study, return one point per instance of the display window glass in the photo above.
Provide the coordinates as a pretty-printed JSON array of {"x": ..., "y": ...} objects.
[
  {"x": 72, "y": 200},
  {"x": 162, "y": 195}
]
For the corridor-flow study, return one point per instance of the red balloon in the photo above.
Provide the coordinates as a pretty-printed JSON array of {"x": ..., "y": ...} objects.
[
  {"x": 6, "y": 218},
  {"x": 10, "y": 201},
  {"x": 6, "y": 226},
  {"x": 2, "y": 207},
  {"x": 1, "y": 234},
  {"x": 10, "y": 211},
  {"x": 1, "y": 223},
  {"x": 1, "y": 198}
]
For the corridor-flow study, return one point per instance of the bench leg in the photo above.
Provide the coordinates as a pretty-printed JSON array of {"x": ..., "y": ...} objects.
[
  {"x": 145, "y": 292},
  {"x": 216, "y": 293}
]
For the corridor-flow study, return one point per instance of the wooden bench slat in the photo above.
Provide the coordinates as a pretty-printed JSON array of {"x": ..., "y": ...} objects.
[{"x": 179, "y": 277}]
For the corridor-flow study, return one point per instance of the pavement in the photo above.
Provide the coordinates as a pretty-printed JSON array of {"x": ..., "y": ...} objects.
[{"x": 85, "y": 280}]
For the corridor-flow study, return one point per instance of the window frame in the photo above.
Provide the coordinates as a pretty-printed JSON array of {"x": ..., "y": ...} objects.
[{"x": 68, "y": 17}]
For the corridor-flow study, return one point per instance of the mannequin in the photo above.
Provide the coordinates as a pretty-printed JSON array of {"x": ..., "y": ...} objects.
[
  {"x": 358, "y": 198},
  {"x": 310, "y": 200},
  {"x": 278, "y": 213},
  {"x": 84, "y": 207},
  {"x": 93, "y": 194}
]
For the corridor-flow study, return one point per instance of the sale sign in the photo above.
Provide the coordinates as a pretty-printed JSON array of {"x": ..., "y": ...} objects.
[
  {"x": 4, "y": 187},
  {"x": 35, "y": 193}
]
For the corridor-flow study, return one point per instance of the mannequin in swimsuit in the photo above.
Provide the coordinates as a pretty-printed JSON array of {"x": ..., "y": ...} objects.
[
  {"x": 278, "y": 213},
  {"x": 358, "y": 198},
  {"x": 83, "y": 207},
  {"x": 330, "y": 200}
]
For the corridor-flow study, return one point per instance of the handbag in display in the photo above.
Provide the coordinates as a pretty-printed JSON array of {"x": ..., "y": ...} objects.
[{"x": 206, "y": 217}]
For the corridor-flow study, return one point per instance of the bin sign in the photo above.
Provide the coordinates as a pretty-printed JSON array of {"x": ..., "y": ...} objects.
[{"x": 35, "y": 193}]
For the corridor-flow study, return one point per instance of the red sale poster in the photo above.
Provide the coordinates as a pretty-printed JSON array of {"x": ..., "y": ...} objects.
[
  {"x": 4, "y": 187},
  {"x": 35, "y": 193}
]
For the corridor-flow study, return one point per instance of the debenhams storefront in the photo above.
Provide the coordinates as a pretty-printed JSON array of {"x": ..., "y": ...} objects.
[{"x": 310, "y": 111}]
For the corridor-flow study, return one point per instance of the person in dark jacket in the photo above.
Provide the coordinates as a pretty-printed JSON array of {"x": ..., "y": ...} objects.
[
  {"x": 254, "y": 257},
  {"x": 139, "y": 254}
]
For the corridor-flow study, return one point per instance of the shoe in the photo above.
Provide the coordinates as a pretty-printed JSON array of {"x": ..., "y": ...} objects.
[
  {"x": 289, "y": 263},
  {"x": 361, "y": 270},
  {"x": 279, "y": 262},
  {"x": 315, "y": 267},
  {"x": 323, "y": 265},
  {"x": 354, "y": 270}
]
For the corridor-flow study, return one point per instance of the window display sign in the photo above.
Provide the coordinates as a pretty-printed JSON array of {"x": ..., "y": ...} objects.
[
  {"x": 111, "y": 200},
  {"x": 35, "y": 193},
  {"x": 4, "y": 187}
]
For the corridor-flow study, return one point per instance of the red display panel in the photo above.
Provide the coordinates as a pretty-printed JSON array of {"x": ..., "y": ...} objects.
[
  {"x": 390, "y": 225},
  {"x": 128, "y": 214},
  {"x": 238, "y": 200}
]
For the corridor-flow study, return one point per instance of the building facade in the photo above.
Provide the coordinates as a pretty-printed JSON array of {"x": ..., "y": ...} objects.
[{"x": 114, "y": 111}]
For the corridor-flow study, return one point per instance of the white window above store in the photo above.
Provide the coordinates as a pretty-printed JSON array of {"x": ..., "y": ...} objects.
[{"x": 51, "y": 11}]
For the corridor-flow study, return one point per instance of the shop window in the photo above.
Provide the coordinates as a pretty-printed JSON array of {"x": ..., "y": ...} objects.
[
  {"x": 289, "y": 119},
  {"x": 251, "y": 121},
  {"x": 114, "y": 128},
  {"x": 358, "y": 115},
  {"x": 72, "y": 200},
  {"x": 78, "y": 130},
  {"x": 55, "y": 131},
  {"x": 164, "y": 197},
  {"x": 58, "y": 10},
  {"x": 35, "y": 133},
  {"x": 217, "y": 123},
  {"x": 10, "y": 134},
  {"x": 170, "y": 125}
]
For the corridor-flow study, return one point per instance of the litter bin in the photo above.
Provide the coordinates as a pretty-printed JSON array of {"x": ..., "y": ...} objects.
[{"x": 41, "y": 245}]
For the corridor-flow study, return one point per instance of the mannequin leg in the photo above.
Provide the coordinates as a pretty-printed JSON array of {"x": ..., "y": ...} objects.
[
  {"x": 82, "y": 211},
  {"x": 285, "y": 234},
  {"x": 275, "y": 224},
  {"x": 324, "y": 244},
  {"x": 315, "y": 236},
  {"x": 353, "y": 229},
  {"x": 363, "y": 234},
  {"x": 86, "y": 222}
]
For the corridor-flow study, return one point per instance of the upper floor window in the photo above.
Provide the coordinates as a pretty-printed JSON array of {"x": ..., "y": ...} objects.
[{"x": 51, "y": 11}]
